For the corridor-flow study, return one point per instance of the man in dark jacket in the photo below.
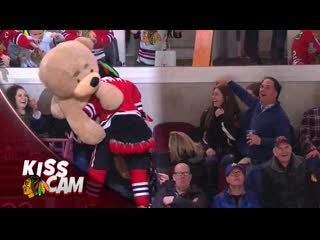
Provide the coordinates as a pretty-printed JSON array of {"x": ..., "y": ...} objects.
[
  {"x": 268, "y": 119},
  {"x": 179, "y": 194},
  {"x": 284, "y": 181}
]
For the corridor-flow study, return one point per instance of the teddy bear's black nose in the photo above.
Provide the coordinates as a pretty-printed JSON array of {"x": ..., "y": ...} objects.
[{"x": 94, "y": 82}]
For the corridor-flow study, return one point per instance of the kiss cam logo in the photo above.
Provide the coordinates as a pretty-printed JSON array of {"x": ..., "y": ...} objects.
[{"x": 55, "y": 174}]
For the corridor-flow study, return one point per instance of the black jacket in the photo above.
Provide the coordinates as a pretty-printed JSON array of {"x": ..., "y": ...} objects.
[
  {"x": 221, "y": 134},
  {"x": 284, "y": 187},
  {"x": 186, "y": 200}
]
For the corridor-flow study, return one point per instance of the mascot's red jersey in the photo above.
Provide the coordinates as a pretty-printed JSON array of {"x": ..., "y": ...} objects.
[{"x": 131, "y": 102}]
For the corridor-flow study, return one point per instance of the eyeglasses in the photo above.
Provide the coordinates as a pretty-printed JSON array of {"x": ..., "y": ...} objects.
[
  {"x": 180, "y": 174},
  {"x": 236, "y": 173}
]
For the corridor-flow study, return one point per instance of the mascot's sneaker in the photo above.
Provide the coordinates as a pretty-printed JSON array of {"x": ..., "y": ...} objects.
[{"x": 314, "y": 178}]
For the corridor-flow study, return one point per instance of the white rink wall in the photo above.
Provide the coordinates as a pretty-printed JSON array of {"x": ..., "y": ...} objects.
[{"x": 182, "y": 93}]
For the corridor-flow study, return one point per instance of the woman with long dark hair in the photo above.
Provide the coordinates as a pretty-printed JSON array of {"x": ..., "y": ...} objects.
[
  {"x": 220, "y": 126},
  {"x": 27, "y": 109}
]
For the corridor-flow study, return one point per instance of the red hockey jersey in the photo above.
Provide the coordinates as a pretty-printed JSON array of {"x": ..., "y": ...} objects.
[
  {"x": 104, "y": 37},
  {"x": 131, "y": 103},
  {"x": 305, "y": 49},
  {"x": 14, "y": 36}
]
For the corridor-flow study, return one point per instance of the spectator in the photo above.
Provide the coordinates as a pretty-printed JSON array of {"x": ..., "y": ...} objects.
[
  {"x": 310, "y": 146},
  {"x": 251, "y": 47},
  {"x": 253, "y": 89},
  {"x": 284, "y": 178},
  {"x": 235, "y": 195},
  {"x": 306, "y": 48},
  {"x": 16, "y": 37},
  {"x": 268, "y": 118},
  {"x": 179, "y": 194},
  {"x": 278, "y": 42},
  {"x": 310, "y": 143},
  {"x": 152, "y": 41},
  {"x": 182, "y": 149},
  {"x": 100, "y": 38},
  {"x": 220, "y": 127},
  {"x": 27, "y": 109},
  {"x": 45, "y": 41}
]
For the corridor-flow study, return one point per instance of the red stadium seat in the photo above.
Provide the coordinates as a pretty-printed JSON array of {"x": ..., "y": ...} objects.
[{"x": 161, "y": 133}]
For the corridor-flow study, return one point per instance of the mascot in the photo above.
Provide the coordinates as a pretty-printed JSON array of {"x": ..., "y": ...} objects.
[{"x": 71, "y": 73}]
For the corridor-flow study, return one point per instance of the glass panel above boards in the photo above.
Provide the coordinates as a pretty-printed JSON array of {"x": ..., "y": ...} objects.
[{"x": 166, "y": 48}]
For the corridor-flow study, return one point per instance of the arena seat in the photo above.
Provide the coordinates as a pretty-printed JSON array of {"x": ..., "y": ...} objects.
[{"x": 162, "y": 131}]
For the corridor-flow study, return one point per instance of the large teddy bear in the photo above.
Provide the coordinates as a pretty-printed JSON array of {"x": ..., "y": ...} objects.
[
  {"x": 71, "y": 74},
  {"x": 84, "y": 89}
]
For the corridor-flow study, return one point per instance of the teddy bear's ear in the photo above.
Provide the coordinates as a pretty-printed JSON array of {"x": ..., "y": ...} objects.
[{"x": 85, "y": 41}]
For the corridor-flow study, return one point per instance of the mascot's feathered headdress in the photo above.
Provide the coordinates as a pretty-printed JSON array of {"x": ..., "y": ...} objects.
[{"x": 106, "y": 70}]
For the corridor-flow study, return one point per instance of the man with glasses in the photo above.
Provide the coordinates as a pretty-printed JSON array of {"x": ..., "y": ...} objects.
[
  {"x": 235, "y": 195},
  {"x": 179, "y": 193}
]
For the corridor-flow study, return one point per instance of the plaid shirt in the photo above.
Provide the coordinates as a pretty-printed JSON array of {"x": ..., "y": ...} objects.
[{"x": 310, "y": 130}]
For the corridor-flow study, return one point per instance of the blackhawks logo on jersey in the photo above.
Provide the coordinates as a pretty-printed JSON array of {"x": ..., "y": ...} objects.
[{"x": 150, "y": 37}]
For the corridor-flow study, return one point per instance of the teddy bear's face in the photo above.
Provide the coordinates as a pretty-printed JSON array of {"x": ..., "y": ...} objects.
[{"x": 70, "y": 70}]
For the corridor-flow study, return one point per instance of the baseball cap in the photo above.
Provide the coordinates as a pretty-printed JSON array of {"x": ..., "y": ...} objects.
[
  {"x": 280, "y": 140},
  {"x": 233, "y": 166}
]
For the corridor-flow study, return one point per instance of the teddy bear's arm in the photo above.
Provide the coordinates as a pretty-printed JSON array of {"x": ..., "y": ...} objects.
[
  {"x": 87, "y": 130},
  {"x": 55, "y": 108}
]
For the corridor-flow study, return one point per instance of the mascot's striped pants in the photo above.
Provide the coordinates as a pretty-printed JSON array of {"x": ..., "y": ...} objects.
[{"x": 127, "y": 134}]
